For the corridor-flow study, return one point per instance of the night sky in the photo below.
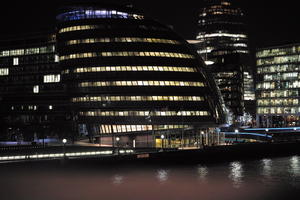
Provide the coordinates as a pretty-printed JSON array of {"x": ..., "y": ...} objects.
[{"x": 269, "y": 22}]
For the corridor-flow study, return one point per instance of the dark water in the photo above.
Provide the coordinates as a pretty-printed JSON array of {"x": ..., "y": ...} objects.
[{"x": 264, "y": 179}]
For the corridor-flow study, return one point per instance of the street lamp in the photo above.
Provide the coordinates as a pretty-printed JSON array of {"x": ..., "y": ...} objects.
[
  {"x": 236, "y": 134},
  {"x": 162, "y": 141},
  {"x": 202, "y": 137},
  {"x": 267, "y": 130},
  {"x": 64, "y": 141},
  {"x": 117, "y": 140}
]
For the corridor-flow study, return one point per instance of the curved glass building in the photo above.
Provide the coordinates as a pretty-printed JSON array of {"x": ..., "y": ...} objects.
[
  {"x": 130, "y": 78},
  {"x": 133, "y": 81}
]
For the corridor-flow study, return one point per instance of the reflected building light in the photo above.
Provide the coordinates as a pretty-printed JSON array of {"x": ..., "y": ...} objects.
[
  {"x": 117, "y": 179},
  {"x": 236, "y": 174},
  {"x": 202, "y": 172},
  {"x": 267, "y": 167},
  {"x": 295, "y": 166},
  {"x": 162, "y": 175}
]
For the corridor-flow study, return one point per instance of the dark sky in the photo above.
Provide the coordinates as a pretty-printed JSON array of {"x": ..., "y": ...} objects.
[{"x": 269, "y": 22}]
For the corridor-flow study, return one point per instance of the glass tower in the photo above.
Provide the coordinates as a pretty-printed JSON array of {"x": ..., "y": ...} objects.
[{"x": 223, "y": 44}]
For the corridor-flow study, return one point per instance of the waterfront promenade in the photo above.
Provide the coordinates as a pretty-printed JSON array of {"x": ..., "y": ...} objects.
[{"x": 109, "y": 155}]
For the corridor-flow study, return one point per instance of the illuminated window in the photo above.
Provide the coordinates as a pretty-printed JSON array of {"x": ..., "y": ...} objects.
[
  {"x": 142, "y": 83},
  {"x": 36, "y": 89},
  {"x": 125, "y": 54},
  {"x": 52, "y": 78},
  {"x": 16, "y": 61},
  {"x": 4, "y": 71}
]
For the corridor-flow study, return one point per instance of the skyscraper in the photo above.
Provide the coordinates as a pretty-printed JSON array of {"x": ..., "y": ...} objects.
[{"x": 223, "y": 44}]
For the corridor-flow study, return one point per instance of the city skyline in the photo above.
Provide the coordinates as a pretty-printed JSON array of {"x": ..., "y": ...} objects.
[{"x": 268, "y": 24}]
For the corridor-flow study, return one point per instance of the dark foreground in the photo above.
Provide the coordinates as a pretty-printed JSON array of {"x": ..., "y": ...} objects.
[{"x": 241, "y": 172}]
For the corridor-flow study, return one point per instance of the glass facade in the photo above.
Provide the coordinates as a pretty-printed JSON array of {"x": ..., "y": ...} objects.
[
  {"x": 278, "y": 85},
  {"x": 132, "y": 76},
  {"x": 106, "y": 72},
  {"x": 223, "y": 44}
]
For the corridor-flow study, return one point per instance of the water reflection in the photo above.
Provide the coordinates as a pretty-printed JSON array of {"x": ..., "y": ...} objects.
[
  {"x": 202, "y": 172},
  {"x": 236, "y": 174},
  {"x": 117, "y": 179},
  {"x": 294, "y": 166},
  {"x": 162, "y": 175},
  {"x": 266, "y": 167}
]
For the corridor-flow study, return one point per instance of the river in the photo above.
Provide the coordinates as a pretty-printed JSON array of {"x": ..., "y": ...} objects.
[{"x": 263, "y": 179}]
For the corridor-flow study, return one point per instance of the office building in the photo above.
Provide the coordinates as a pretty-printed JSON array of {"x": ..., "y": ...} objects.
[
  {"x": 117, "y": 76},
  {"x": 278, "y": 86},
  {"x": 223, "y": 44}
]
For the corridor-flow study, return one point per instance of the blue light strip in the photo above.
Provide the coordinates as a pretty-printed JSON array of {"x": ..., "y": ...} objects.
[
  {"x": 244, "y": 133},
  {"x": 264, "y": 129}
]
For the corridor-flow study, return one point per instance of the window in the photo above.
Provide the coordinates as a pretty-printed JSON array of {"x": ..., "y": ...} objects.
[
  {"x": 36, "y": 89},
  {"x": 4, "y": 71},
  {"x": 53, "y": 78},
  {"x": 16, "y": 61}
]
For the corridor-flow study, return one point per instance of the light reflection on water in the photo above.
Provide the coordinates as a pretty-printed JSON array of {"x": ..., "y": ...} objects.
[
  {"x": 255, "y": 179},
  {"x": 236, "y": 174},
  {"x": 202, "y": 173},
  {"x": 162, "y": 175}
]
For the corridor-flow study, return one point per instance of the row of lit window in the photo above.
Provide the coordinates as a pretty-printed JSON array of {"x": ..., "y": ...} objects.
[
  {"x": 4, "y": 71},
  {"x": 142, "y": 113},
  {"x": 275, "y": 85},
  {"x": 52, "y": 78},
  {"x": 78, "y": 28},
  {"x": 141, "y": 83},
  {"x": 131, "y": 69},
  {"x": 277, "y": 102},
  {"x": 281, "y": 76},
  {"x": 278, "y": 110},
  {"x": 30, "y": 107},
  {"x": 126, "y": 53},
  {"x": 137, "y": 98},
  {"x": 278, "y": 60},
  {"x": 210, "y": 35},
  {"x": 278, "y": 52},
  {"x": 277, "y": 68},
  {"x": 96, "y": 14},
  {"x": 121, "y": 39},
  {"x": 28, "y": 51},
  {"x": 278, "y": 93},
  {"x": 107, "y": 129}
]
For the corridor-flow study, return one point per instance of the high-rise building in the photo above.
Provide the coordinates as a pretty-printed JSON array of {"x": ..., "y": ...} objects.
[
  {"x": 278, "y": 86},
  {"x": 121, "y": 75},
  {"x": 223, "y": 44}
]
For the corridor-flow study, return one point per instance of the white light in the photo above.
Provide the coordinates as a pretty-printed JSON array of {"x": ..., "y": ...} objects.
[
  {"x": 64, "y": 141},
  {"x": 236, "y": 130},
  {"x": 295, "y": 129},
  {"x": 202, "y": 132},
  {"x": 118, "y": 139},
  {"x": 162, "y": 136},
  {"x": 267, "y": 130},
  {"x": 208, "y": 62}
]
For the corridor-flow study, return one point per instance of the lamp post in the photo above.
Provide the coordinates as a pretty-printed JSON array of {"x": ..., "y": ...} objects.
[
  {"x": 267, "y": 130},
  {"x": 162, "y": 141},
  {"x": 117, "y": 140},
  {"x": 202, "y": 138},
  {"x": 64, "y": 141},
  {"x": 236, "y": 134}
]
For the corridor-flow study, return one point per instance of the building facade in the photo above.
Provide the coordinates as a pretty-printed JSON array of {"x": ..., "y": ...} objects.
[
  {"x": 31, "y": 93},
  {"x": 223, "y": 44},
  {"x": 278, "y": 86},
  {"x": 119, "y": 77}
]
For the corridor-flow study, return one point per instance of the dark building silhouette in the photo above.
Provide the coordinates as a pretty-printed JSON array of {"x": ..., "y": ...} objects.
[
  {"x": 113, "y": 74},
  {"x": 223, "y": 44}
]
